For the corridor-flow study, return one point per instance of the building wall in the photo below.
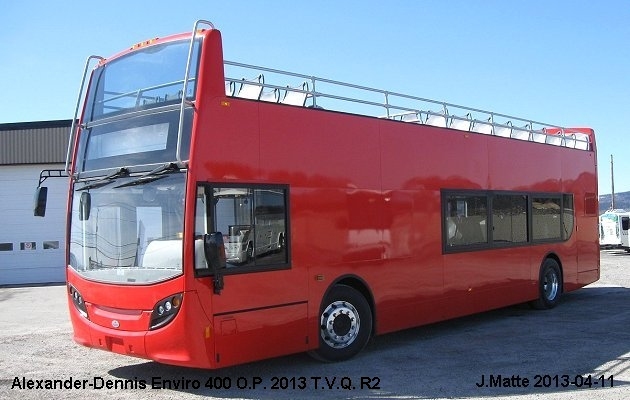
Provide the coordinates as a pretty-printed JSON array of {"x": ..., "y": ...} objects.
[
  {"x": 34, "y": 142},
  {"x": 32, "y": 249}
]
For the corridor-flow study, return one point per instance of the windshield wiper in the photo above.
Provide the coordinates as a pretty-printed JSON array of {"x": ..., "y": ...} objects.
[
  {"x": 105, "y": 181},
  {"x": 164, "y": 168},
  {"x": 140, "y": 181},
  {"x": 153, "y": 175}
]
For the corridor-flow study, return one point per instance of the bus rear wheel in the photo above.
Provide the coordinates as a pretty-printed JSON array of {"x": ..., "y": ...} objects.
[
  {"x": 345, "y": 324},
  {"x": 549, "y": 285}
]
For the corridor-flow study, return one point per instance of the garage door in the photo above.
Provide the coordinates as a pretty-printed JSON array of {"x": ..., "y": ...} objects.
[{"x": 31, "y": 248}]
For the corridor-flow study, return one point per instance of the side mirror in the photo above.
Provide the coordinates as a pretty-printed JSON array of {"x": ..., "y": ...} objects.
[
  {"x": 214, "y": 250},
  {"x": 41, "y": 196},
  {"x": 625, "y": 223},
  {"x": 85, "y": 205}
]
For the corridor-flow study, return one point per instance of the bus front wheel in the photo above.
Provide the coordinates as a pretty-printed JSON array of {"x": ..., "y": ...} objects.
[
  {"x": 549, "y": 285},
  {"x": 345, "y": 324}
]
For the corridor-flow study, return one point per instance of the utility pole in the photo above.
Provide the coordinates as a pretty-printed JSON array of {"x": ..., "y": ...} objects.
[{"x": 612, "y": 178}]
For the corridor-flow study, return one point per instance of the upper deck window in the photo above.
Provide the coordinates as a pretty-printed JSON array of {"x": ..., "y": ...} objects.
[{"x": 144, "y": 78}]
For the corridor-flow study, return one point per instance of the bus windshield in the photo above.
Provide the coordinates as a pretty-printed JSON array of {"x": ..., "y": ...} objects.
[
  {"x": 145, "y": 78},
  {"x": 128, "y": 230}
]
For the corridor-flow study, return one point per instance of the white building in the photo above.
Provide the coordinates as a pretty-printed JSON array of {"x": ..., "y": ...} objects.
[{"x": 32, "y": 249}]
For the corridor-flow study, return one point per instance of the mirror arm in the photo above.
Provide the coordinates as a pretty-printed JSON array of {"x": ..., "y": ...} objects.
[
  {"x": 51, "y": 173},
  {"x": 217, "y": 282}
]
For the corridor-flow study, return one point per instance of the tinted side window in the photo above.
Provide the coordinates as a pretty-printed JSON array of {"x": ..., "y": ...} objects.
[
  {"x": 509, "y": 218},
  {"x": 466, "y": 220},
  {"x": 546, "y": 221}
]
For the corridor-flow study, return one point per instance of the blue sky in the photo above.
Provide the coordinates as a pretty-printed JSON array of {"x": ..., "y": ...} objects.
[{"x": 563, "y": 62}]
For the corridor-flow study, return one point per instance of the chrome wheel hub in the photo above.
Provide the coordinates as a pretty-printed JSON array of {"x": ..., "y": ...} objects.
[
  {"x": 551, "y": 285},
  {"x": 340, "y": 324}
]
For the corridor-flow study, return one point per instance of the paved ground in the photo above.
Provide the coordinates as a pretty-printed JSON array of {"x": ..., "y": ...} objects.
[{"x": 569, "y": 352}]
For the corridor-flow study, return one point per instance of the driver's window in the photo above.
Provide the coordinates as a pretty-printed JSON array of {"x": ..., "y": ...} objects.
[{"x": 252, "y": 220}]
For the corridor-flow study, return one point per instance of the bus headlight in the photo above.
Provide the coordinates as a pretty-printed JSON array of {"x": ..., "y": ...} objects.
[
  {"x": 165, "y": 310},
  {"x": 77, "y": 300}
]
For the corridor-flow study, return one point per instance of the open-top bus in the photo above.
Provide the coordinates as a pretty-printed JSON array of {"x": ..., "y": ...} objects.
[{"x": 216, "y": 220}]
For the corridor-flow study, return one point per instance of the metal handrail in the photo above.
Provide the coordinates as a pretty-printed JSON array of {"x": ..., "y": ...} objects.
[
  {"x": 390, "y": 100},
  {"x": 193, "y": 36},
  {"x": 73, "y": 133}
]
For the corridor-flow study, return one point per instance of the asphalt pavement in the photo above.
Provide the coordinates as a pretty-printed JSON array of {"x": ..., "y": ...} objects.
[{"x": 578, "y": 350}]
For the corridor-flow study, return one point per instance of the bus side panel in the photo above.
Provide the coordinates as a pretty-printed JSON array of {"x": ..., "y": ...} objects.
[
  {"x": 332, "y": 163},
  {"x": 239, "y": 338},
  {"x": 319, "y": 149},
  {"x": 424, "y": 157},
  {"x": 259, "y": 313},
  {"x": 585, "y": 233},
  {"x": 517, "y": 165},
  {"x": 418, "y": 164},
  {"x": 488, "y": 279}
]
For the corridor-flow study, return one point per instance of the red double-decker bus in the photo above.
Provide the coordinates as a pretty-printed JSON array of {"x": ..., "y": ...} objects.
[{"x": 221, "y": 213}]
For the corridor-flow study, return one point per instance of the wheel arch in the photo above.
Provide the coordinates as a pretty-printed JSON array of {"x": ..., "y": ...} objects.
[{"x": 359, "y": 285}]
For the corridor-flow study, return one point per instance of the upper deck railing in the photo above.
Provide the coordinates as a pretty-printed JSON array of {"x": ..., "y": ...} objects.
[{"x": 310, "y": 91}]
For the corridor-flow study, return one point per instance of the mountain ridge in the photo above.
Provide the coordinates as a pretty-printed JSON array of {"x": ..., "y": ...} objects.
[{"x": 622, "y": 201}]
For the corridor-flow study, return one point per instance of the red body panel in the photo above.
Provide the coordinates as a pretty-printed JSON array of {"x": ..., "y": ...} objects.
[{"x": 364, "y": 202}]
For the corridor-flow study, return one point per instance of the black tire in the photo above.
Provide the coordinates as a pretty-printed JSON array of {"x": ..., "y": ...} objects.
[
  {"x": 345, "y": 324},
  {"x": 549, "y": 285}
]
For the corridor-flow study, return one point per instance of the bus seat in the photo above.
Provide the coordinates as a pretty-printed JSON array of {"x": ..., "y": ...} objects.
[
  {"x": 251, "y": 89},
  {"x": 539, "y": 137},
  {"x": 410, "y": 117},
  {"x": 520, "y": 134},
  {"x": 569, "y": 140},
  {"x": 461, "y": 123},
  {"x": 296, "y": 96},
  {"x": 272, "y": 96},
  {"x": 503, "y": 130},
  {"x": 436, "y": 119},
  {"x": 163, "y": 254},
  {"x": 482, "y": 127},
  {"x": 582, "y": 141},
  {"x": 555, "y": 140},
  {"x": 453, "y": 235}
]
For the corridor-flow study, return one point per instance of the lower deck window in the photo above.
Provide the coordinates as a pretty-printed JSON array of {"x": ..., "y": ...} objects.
[
  {"x": 474, "y": 220},
  {"x": 546, "y": 221},
  {"x": 509, "y": 219},
  {"x": 466, "y": 220}
]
